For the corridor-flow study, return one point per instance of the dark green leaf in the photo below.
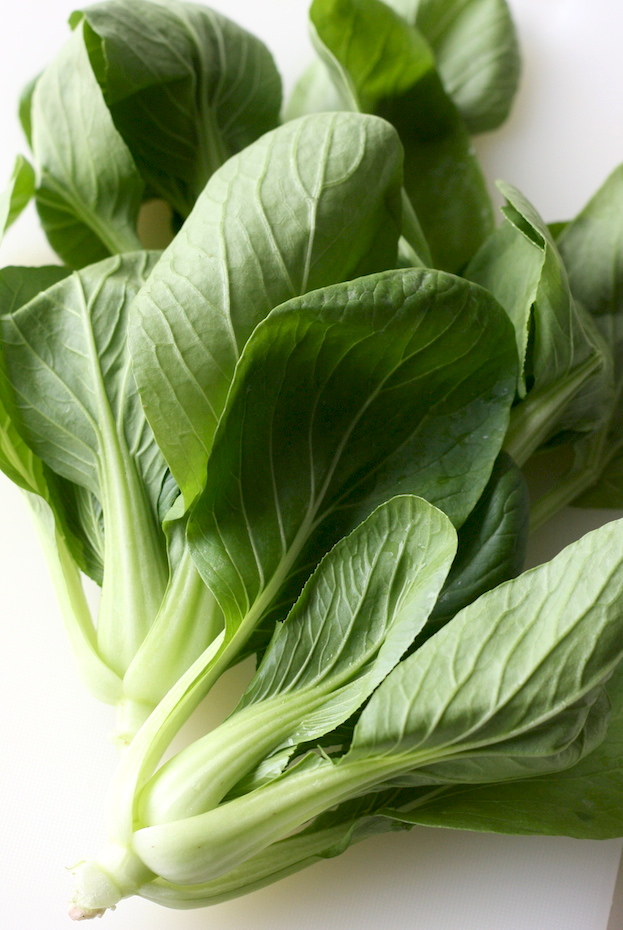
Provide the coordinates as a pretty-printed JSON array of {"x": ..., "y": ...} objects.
[
  {"x": 314, "y": 202},
  {"x": 394, "y": 383},
  {"x": 476, "y": 51},
  {"x": 387, "y": 67},
  {"x": 492, "y": 543},
  {"x": 185, "y": 86}
]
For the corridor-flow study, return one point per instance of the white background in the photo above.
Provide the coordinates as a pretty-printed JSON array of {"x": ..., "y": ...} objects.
[{"x": 565, "y": 135}]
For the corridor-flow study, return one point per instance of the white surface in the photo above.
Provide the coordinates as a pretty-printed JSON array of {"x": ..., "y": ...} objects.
[{"x": 566, "y": 134}]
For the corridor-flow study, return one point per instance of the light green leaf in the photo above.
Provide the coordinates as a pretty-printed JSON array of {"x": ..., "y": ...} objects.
[
  {"x": 476, "y": 51},
  {"x": 393, "y": 383},
  {"x": 89, "y": 189},
  {"x": 25, "y": 108},
  {"x": 583, "y": 801},
  {"x": 17, "y": 194},
  {"x": 566, "y": 376},
  {"x": 315, "y": 92},
  {"x": 55, "y": 504},
  {"x": 356, "y": 617},
  {"x": 327, "y": 836},
  {"x": 68, "y": 388},
  {"x": 312, "y": 203},
  {"x": 76, "y": 521},
  {"x": 363, "y": 605},
  {"x": 513, "y": 681},
  {"x": 512, "y": 678},
  {"x": 590, "y": 246},
  {"x": 388, "y": 68},
  {"x": 185, "y": 86}
]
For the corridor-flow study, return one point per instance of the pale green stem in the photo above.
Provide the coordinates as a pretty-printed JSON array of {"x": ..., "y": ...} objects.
[
  {"x": 534, "y": 419},
  {"x": 188, "y": 620},
  {"x": 99, "y": 678},
  {"x": 579, "y": 478},
  {"x": 201, "y": 848},
  {"x": 277, "y": 861}
]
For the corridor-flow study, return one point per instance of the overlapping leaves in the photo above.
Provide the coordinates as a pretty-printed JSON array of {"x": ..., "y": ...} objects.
[
  {"x": 379, "y": 63},
  {"x": 313, "y": 203},
  {"x": 393, "y": 383}
]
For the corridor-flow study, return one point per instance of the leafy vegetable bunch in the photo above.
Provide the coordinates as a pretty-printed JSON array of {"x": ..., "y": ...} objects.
[{"x": 298, "y": 433}]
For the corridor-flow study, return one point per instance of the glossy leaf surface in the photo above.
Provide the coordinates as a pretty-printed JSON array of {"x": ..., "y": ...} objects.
[
  {"x": 313, "y": 203},
  {"x": 186, "y": 88},
  {"x": 393, "y": 383}
]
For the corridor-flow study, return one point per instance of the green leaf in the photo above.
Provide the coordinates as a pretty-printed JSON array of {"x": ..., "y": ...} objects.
[
  {"x": 356, "y": 617},
  {"x": 583, "y": 801},
  {"x": 380, "y": 54},
  {"x": 510, "y": 682},
  {"x": 566, "y": 377},
  {"x": 17, "y": 287},
  {"x": 492, "y": 543},
  {"x": 315, "y": 92},
  {"x": 68, "y": 388},
  {"x": 89, "y": 190},
  {"x": 17, "y": 194},
  {"x": 327, "y": 836},
  {"x": 388, "y": 68},
  {"x": 25, "y": 109},
  {"x": 476, "y": 51},
  {"x": 393, "y": 383},
  {"x": 591, "y": 248},
  {"x": 185, "y": 86},
  {"x": 514, "y": 682},
  {"x": 76, "y": 520},
  {"x": 55, "y": 504},
  {"x": 312, "y": 203}
]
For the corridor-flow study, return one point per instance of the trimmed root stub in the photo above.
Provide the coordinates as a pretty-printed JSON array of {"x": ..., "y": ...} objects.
[
  {"x": 101, "y": 885},
  {"x": 81, "y": 913},
  {"x": 94, "y": 893}
]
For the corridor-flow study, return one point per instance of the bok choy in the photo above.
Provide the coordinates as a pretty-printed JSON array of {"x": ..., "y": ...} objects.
[{"x": 301, "y": 431}]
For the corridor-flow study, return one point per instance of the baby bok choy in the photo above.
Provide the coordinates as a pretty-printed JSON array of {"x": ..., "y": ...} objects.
[
  {"x": 514, "y": 687},
  {"x": 76, "y": 434},
  {"x": 296, "y": 434}
]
